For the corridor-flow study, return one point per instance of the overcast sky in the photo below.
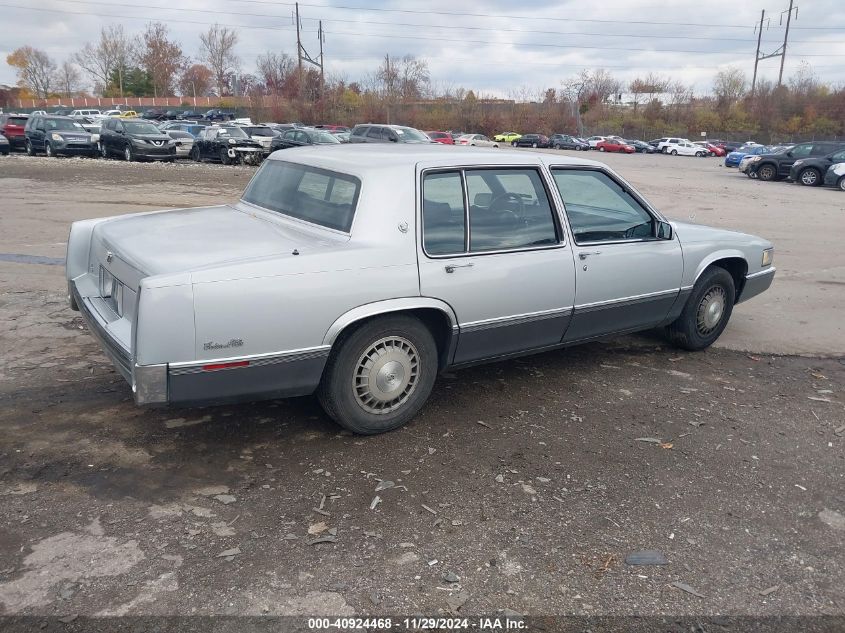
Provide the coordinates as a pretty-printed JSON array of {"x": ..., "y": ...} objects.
[{"x": 494, "y": 47}]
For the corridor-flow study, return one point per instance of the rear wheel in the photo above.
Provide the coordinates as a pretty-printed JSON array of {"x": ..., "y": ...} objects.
[
  {"x": 224, "y": 157},
  {"x": 380, "y": 375},
  {"x": 810, "y": 177},
  {"x": 128, "y": 154},
  {"x": 842, "y": 183},
  {"x": 30, "y": 151},
  {"x": 534, "y": 145},
  {"x": 767, "y": 172},
  {"x": 103, "y": 151},
  {"x": 706, "y": 312},
  {"x": 699, "y": 154},
  {"x": 513, "y": 143},
  {"x": 674, "y": 152},
  {"x": 195, "y": 153}
]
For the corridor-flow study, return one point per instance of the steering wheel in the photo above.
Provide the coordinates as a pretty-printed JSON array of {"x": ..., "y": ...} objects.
[{"x": 510, "y": 203}]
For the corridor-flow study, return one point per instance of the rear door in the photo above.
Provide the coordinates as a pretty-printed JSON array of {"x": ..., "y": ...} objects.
[
  {"x": 785, "y": 161},
  {"x": 627, "y": 279},
  {"x": 493, "y": 248}
]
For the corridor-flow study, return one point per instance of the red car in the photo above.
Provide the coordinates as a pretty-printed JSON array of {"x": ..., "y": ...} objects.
[
  {"x": 441, "y": 137},
  {"x": 715, "y": 149},
  {"x": 11, "y": 126},
  {"x": 614, "y": 145}
]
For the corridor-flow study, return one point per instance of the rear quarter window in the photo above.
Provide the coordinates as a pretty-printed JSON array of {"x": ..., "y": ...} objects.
[{"x": 319, "y": 196}]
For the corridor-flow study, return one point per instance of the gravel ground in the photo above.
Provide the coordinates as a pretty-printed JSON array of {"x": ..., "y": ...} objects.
[{"x": 523, "y": 485}]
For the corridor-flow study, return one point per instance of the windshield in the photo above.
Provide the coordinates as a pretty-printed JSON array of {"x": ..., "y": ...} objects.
[
  {"x": 234, "y": 132},
  {"x": 62, "y": 124},
  {"x": 324, "y": 138},
  {"x": 410, "y": 135},
  {"x": 137, "y": 127},
  {"x": 259, "y": 131},
  {"x": 319, "y": 196}
]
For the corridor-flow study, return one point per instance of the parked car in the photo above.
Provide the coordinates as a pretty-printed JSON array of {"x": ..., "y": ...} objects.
[
  {"x": 154, "y": 114},
  {"x": 190, "y": 115},
  {"x": 476, "y": 140},
  {"x": 135, "y": 139},
  {"x": 361, "y": 273},
  {"x": 444, "y": 138},
  {"x": 734, "y": 158},
  {"x": 5, "y": 146},
  {"x": 456, "y": 135},
  {"x": 191, "y": 127},
  {"x": 593, "y": 141},
  {"x": 332, "y": 128},
  {"x": 90, "y": 112},
  {"x": 712, "y": 150},
  {"x": 655, "y": 143},
  {"x": 219, "y": 115},
  {"x": 302, "y": 137},
  {"x": 261, "y": 134},
  {"x": 12, "y": 127},
  {"x": 835, "y": 176},
  {"x": 128, "y": 114},
  {"x": 664, "y": 145},
  {"x": 91, "y": 124},
  {"x": 34, "y": 112},
  {"x": 615, "y": 145},
  {"x": 57, "y": 136},
  {"x": 227, "y": 143},
  {"x": 110, "y": 113},
  {"x": 810, "y": 172},
  {"x": 641, "y": 146},
  {"x": 343, "y": 137},
  {"x": 532, "y": 140},
  {"x": 60, "y": 111},
  {"x": 507, "y": 137},
  {"x": 171, "y": 115},
  {"x": 565, "y": 141},
  {"x": 184, "y": 142},
  {"x": 770, "y": 167},
  {"x": 684, "y": 148},
  {"x": 371, "y": 133}
]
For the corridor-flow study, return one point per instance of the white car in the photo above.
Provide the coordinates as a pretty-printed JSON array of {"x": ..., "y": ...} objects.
[
  {"x": 595, "y": 140},
  {"x": 664, "y": 144},
  {"x": 262, "y": 134},
  {"x": 685, "y": 148},
  {"x": 88, "y": 113},
  {"x": 476, "y": 140}
]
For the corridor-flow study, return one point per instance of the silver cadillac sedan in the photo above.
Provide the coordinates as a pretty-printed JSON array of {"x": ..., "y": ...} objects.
[{"x": 358, "y": 272}]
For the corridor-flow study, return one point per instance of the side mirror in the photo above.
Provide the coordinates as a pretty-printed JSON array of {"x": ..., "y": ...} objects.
[
  {"x": 664, "y": 231},
  {"x": 393, "y": 139},
  {"x": 789, "y": 154}
]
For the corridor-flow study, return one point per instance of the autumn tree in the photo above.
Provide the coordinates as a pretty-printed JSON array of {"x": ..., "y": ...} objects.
[
  {"x": 650, "y": 85},
  {"x": 68, "y": 79},
  {"x": 35, "y": 70},
  {"x": 274, "y": 70},
  {"x": 217, "y": 47},
  {"x": 110, "y": 58},
  {"x": 196, "y": 81},
  {"x": 729, "y": 86},
  {"x": 161, "y": 58}
]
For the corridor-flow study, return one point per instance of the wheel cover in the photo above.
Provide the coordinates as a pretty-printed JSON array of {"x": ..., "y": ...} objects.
[
  {"x": 48, "y": 150},
  {"x": 809, "y": 177},
  {"x": 766, "y": 172},
  {"x": 127, "y": 153},
  {"x": 386, "y": 375},
  {"x": 711, "y": 309},
  {"x": 842, "y": 184}
]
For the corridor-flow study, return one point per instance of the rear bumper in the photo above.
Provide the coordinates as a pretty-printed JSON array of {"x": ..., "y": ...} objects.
[{"x": 756, "y": 284}]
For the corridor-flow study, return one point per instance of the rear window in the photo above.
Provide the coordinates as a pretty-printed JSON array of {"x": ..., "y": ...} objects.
[
  {"x": 319, "y": 196},
  {"x": 17, "y": 120}
]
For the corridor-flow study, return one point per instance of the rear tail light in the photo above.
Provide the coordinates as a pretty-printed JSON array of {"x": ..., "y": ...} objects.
[{"x": 232, "y": 365}]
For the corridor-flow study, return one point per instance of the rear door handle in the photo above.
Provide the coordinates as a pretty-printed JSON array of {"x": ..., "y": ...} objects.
[
  {"x": 586, "y": 254},
  {"x": 451, "y": 267}
]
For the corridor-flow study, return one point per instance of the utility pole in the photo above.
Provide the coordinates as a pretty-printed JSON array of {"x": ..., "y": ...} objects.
[
  {"x": 302, "y": 54},
  {"x": 298, "y": 46},
  {"x": 388, "y": 84},
  {"x": 785, "y": 39},
  {"x": 321, "y": 37},
  {"x": 757, "y": 55}
]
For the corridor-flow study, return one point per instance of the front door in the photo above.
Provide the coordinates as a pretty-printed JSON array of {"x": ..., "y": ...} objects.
[
  {"x": 493, "y": 249},
  {"x": 627, "y": 278}
]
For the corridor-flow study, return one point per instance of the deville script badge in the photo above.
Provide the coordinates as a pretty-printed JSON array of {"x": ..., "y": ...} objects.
[{"x": 235, "y": 342}]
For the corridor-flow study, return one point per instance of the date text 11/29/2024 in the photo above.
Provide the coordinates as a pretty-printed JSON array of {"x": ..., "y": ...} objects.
[{"x": 419, "y": 623}]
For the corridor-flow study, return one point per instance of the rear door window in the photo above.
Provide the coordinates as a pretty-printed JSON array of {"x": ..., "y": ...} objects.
[{"x": 444, "y": 216}]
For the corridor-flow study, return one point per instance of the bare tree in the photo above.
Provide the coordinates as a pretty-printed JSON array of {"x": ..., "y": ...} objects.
[
  {"x": 804, "y": 81},
  {"x": 161, "y": 58},
  {"x": 406, "y": 78},
  {"x": 575, "y": 90},
  {"x": 217, "y": 47},
  {"x": 35, "y": 70},
  {"x": 650, "y": 85},
  {"x": 603, "y": 85},
  {"x": 114, "y": 52},
  {"x": 68, "y": 79},
  {"x": 274, "y": 69},
  {"x": 728, "y": 86}
]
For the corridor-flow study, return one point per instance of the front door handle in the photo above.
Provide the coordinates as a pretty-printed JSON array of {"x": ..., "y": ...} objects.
[
  {"x": 451, "y": 267},
  {"x": 585, "y": 254}
]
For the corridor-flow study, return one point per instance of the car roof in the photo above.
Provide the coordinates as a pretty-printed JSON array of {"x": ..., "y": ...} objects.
[{"x": 378, "y": 156}]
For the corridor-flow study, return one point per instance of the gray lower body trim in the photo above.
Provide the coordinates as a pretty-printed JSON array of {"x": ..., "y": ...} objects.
[
  {"x": 287, "y": 376},
  {"x": 120, "y": 357},
  {"x": 490, "y": 339},
  {"x": 756, "y": 284},
  {"x": 626, "y": 315}
]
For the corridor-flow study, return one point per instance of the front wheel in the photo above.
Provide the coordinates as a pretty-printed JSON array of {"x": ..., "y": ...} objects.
[
  {"x": 699, "y": 154},
  {"x": 706, "y": 312},
  {"x": 103, "y": 151},
  {"x": 842, "y": 183},
  {"x": 128, "y": 154},
  {"x": 810, "y": 177},
  {"x": 534, "y": 145},
  {"x": 224, "y": 157},
  {"x": 48, "y": 150},
  {"x": 513, "y": 143},
  {"x": 380, "y": 375},
  {"x": 767, "y": 172},
  {"x": 195, "y": 153},
  {"x": 496, "y": 145},
  {"x": 30, "y": 150}
]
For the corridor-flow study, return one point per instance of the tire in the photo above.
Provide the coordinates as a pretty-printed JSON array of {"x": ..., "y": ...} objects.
[
  {"x": 104, "y": 152},
  {"x": 48, "y": 150},
  {"x": 396, "y": 344},
  {"x": 601, "y": 149},
  {"x": 224, "y": 157},
  {"x": 534, "y": 145},
  {"x": 496, "y": 145},
  {"x": 556, "y": 146},
  {"x": 809, "y": 177},
  {"x": 841, "y": 183},
  {"x": 195, "y": 154},
  {"x": 128, "y": 154},
  {"x": 577, "y": 148},
  {"x": 30, "y": 150},
  {"x": 707, "y": 311},
  {"x": 513, "y": 143},
  {"x": 699, "y": 154},
  {"x": 767, "y": 172},
  {"x": 674, "y": 152}
]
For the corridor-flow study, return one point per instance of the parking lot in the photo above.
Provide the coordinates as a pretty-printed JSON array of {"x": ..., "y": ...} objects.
[{"x": 523, "y": 485}]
